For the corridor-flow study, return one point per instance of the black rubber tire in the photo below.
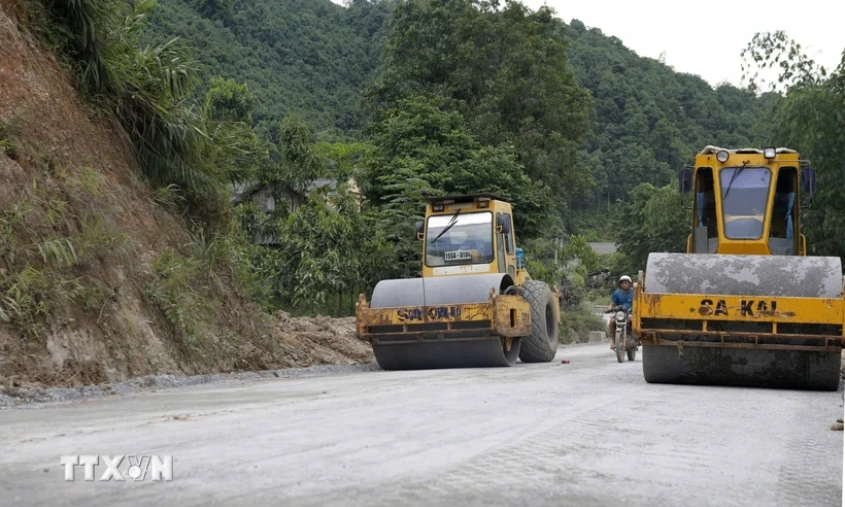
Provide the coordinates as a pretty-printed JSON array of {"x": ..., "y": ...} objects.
[
  {"x": 620, "y": 351},
  {"x": 632, "y": 355},
  {"x": 541, "y": 346}
]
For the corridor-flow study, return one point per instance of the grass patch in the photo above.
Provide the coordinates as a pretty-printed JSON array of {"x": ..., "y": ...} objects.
[
  {"x": 41, "y": 258},
  {"x": 90, "y": 181},
  {"x": 169, "y": 197},
  {"x": 175, "y": 292},
  {"x": 9, "y": 142},
  {"x": 25, "y": 296},
  {"x": 90, "y": 294},
  {"x": 598, "y": 297}
]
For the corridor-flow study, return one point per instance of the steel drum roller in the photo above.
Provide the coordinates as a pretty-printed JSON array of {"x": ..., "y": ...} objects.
[
  {"x": 755, "y": 276},
  {"x": 744, "y": 275},
  {"x": 451, "y": 290}
]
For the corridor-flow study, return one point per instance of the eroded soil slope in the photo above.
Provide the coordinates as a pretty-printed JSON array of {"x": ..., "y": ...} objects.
[{"x": 88, "y": 255}]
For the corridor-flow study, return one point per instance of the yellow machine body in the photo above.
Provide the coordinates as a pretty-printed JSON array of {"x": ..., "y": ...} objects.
[
  {"x": 473, "y": 304},
  {"x": 502, "y": 254},
  {"x": 744, "y": 305}
]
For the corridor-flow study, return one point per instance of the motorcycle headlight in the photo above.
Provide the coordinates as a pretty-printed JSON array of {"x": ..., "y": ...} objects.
[{"x": 620, "y": 315}]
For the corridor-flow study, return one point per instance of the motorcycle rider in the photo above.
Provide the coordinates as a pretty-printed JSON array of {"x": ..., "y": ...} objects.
[{"x": 624, "y": 297}]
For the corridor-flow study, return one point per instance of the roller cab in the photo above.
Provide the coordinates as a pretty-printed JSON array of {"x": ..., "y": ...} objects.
[
  {"x": 744, "y": 305},
  {"x": 475, "y": 304}
]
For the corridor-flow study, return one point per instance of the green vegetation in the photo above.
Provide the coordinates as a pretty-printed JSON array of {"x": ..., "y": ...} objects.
[
  {"x": 309, "y": 58},
  {"x": 43, "y": 258},
  {"x": 576, "y": 326},
  {"x": 648, "y": 120},
  {"x": 170, "y": 290},
  {"x": 497, "y": 76},
  {"x": 585, "y": 119},
  {"x": 568, "y": 272},
  {"x": 409, "y": 98},
  {"x": 447, "y": 130},
  {"x": 653, "y": 221},
  {"x": 58, "y": 238},
  {"x": 150, "y": 90},
  {"x": 807, "y": 115}
]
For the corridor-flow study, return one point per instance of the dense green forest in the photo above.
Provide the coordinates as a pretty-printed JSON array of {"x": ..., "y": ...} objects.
[
  {"x": 308, "y": 57},
  {"x": 416, "y": 98},
  {"x": 315, "y": 58},
  {"x": 648, "y": 120},
  {"x": 407, "y": 90}
]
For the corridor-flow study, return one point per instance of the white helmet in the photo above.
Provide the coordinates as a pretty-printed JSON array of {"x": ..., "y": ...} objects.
[{"x": 624, "y": 278}]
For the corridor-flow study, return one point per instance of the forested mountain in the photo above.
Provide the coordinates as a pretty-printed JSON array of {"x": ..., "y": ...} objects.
[
  {"x": 412, "y": 98},
  {"x": 119, "y": 219},
  {"x": 649, "y": 120},
  {"x": 314, "y": 58},
  {"x": 309, "y": 57}
]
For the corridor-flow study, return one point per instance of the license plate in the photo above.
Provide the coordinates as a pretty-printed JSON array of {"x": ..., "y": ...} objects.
[{"x": 458, "y": 255}]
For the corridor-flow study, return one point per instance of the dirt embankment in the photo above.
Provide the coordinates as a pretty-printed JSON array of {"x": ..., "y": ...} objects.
[{"x": 83, "y": 238}]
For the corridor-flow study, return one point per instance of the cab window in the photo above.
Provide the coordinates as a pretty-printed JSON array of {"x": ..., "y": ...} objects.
[{"x": 745, "y": 193}]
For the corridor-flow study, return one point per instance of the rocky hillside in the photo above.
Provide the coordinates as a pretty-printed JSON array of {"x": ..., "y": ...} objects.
[{"x": 99, "y": 281}]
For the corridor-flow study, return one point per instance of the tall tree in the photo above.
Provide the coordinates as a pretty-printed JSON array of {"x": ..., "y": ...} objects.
[
  {"x": 652, "y": 221},
  {"x": 418, "y": 141},
  {"x": 294, "y": 161},
  {"x": 229, "y": 100},
  {"x": 502, "y": 67},
  {"x": 809, "y": 115}
]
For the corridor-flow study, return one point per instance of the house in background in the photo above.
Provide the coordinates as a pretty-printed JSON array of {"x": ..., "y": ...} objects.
[
  {"x": 602, "y": 277},
  {"x": 265, "y": 196},
  {"x": 603, "y": 247}
]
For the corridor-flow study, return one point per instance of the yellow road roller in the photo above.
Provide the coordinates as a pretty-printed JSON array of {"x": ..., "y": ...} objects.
[
  {"x": 475, "y": 305},
  {"x": 745, "y": 305}
]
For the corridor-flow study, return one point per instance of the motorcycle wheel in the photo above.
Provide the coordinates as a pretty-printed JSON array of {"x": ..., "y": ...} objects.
[
  {"x": 632, "y": 354},
  {"x": 620, "y": 350}
]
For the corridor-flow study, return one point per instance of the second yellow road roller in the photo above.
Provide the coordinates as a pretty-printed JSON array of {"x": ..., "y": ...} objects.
[{"x": 475, "y": 304}]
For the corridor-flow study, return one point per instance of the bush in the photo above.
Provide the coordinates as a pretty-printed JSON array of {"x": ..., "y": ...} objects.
[
  {"x": 150, "y": 90},
  {"x": 575, "y": 326},
  {"x": 173, "y": 291}
]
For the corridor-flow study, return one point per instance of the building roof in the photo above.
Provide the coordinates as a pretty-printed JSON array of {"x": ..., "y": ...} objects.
[
  {"x": 603, "y": 247},
  {"x": 251, "y": 187}
]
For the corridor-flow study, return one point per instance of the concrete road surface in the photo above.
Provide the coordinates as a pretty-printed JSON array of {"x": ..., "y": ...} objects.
[{"x": 588, "y": 433}]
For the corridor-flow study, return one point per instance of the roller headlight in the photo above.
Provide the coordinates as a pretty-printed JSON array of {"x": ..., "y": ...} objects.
[{"x": 722, "y": 156}]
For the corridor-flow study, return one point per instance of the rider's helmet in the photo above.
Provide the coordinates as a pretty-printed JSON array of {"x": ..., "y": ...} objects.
[{"x": 624, "y": 278}]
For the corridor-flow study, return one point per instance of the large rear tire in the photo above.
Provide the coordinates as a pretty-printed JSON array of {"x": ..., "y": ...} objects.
[{"x": 541, "y": 346}]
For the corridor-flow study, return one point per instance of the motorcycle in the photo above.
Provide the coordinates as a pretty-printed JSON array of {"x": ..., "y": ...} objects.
[{"x": 631, "y": 345}]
